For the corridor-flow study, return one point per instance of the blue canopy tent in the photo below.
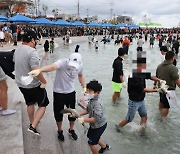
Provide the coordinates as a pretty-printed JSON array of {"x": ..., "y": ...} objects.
[
  {"x": 93, "y": 24},
  {"x": 78, "y": 23},
  {"x": 3, "y": 18},
  {"x": 120, "y": 25},
  {"x": 107, "y": 25},
  {"x": 133, "y": 26},
  {"x": 62, "y": 22},
  {"x": 21, "y": 18},
  {"x": 44, "y": 21}
]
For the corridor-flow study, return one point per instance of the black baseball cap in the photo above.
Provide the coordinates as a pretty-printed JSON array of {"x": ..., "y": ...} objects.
[{"x": 30, "y": 34}]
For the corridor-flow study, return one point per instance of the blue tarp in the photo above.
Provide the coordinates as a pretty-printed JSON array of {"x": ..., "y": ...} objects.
[
  {"x": 107, "y": 25},
  {"x": 44, "y": 21},
  {"x": 120, "y": 25},
  {"x": 78, "y": 23},
  {"x": 21, "y": 18},
  {"x": 133, "y": 26},
  {"x": 93, "y": 24},
  {"x": 3, "y": 18},
  {"x": 61, "y": 22}
]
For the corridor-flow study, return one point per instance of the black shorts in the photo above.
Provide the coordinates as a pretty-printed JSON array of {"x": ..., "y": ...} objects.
[
  {"x": 59, "y": 101},
  {"x": 35, "y": 95},
  {"x": 164, "y": 101},
  {"x": 151, "y": 43},
  {"x": 95, "y": 134},
  {"x": 139, "y": 49}
]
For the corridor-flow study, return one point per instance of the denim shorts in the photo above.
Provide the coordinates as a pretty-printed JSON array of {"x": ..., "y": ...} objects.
[{"x": 134, "y": 106}]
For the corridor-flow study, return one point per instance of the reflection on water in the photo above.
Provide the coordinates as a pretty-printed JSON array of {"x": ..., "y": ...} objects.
[{"x": 159, "y": 137}]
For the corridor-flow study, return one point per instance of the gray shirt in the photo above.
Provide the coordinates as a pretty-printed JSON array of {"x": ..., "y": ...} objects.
[
  {"x": 25, "y": 59},
  {"x": 65, "y": 77},
  {"x": 96, "y": 110}
]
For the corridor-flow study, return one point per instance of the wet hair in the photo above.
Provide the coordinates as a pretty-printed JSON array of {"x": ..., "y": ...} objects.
[
  {"x": 121, "y": 51},
  {"x": 169, "y": 55},
  {"x": 164, "y": 48},
  {"x": 94, "y": 85}
]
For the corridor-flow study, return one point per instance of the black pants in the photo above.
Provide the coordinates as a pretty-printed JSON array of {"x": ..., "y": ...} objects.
[{"x": 63, "y": 99}]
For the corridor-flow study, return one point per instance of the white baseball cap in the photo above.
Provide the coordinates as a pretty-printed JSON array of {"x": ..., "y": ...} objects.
[{"x": 75, "y": 60}]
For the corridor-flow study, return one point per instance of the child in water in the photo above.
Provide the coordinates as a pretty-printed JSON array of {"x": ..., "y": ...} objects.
[{"x": 52, "y": 45}]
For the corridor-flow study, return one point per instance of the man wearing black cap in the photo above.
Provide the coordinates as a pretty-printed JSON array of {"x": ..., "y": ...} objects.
[{"x": 26, "y": 59}]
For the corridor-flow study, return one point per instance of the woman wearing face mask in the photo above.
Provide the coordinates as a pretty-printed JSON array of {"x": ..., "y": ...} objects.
[
  {"x": 67, "y": 70},
  {"x": 26, "y": 59}
]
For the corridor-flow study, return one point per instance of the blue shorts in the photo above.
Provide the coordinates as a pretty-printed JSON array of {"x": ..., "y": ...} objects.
[
  {"x": 95, "y": 134},
  {"x": 134, "y": 106}
]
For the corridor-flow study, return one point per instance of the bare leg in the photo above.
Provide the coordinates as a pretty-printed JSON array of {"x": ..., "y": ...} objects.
[
  {"x": 115, "y": 96},
  {"x": 94, "y": 149},
  {"x": 59, "y": 125},
  {"x": 46, "y": 55},
  {"x": 102, "y": 144},
  {"x": 30, "y": 110},
  {"x": 71, "y": 124},
  {"x": 39, "y": 113},
  {"x": 3, "y": 94},
  {"x": 164, "y": 112},
  {"x": 123, "y": 123},
  {"x": 143, "y": 120}
]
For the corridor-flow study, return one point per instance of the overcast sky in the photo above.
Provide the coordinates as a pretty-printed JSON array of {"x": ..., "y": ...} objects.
[{"x": 166, "y": 12}]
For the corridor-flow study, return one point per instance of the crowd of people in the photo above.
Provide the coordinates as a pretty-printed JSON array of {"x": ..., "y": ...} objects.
[{"x": 25, "y": 60}]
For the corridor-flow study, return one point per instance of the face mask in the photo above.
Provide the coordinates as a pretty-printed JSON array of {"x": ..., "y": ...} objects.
[{"x": 89, "y": 96}]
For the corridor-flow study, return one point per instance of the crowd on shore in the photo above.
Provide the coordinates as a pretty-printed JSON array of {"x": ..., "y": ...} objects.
[{"x": 13, "y": 32}]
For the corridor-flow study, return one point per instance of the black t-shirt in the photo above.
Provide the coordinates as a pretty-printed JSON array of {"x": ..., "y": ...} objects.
[
  {"x": 13, "y": 28},
  {"x": 7, "y": 63},
  {"x": 136, "y": 86},
  {"x": 117, "y": 70}
]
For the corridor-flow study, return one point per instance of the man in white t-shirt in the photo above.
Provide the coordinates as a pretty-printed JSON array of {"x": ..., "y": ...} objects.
[
  {"x": 140, "y": 44},
  {"x": 67, "y": 70}
]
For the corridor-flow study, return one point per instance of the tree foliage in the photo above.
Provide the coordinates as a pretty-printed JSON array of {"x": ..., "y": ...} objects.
[{"x": 10, "y": 4}]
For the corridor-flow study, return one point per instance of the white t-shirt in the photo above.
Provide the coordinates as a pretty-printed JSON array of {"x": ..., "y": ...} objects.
[
  {"x": 140, "y": 43},
  {"x": 65, "y": 77}
]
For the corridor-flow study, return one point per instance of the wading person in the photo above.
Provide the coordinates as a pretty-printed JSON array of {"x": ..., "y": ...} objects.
[
  {"x": 118, "y": 79},
  {"x": 136, "y": 90},
  {"x": 168, "y": 72}
]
